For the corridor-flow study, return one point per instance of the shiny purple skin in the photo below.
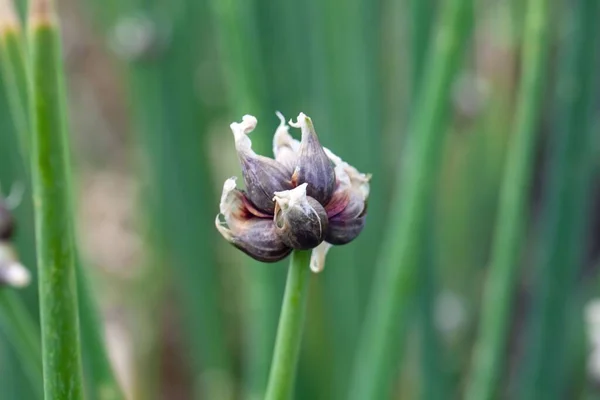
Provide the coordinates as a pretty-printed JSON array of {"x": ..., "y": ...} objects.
[
  {"x": 263, "y": 176},
  {"x": 347, "y": 216},
  {"x": 344, "y": 231},
  {"x": 260, "y": 241},
  {"x": 314, "y": 167},
  {"x": 302, "y": 229}
]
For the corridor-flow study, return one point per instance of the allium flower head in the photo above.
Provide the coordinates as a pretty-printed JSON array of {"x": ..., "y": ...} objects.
[{"x": 305, "y": 198}]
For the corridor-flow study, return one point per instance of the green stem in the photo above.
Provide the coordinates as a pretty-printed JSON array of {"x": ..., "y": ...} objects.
[
  {"x": 15, "y": 74},
  {"x": 102, "y": 383},
  {"x": 16, "y": 320},
  {"x": 423, "y": 17},
  {"x": 21, "y": 330},
  {"x": 163, "y": 104},
  {"x": 431, "y": 379},
  {"x": 61, "y": 351},
  {"x": 490, "y": 355},
  {"x": 242, "y": 65},
  {"x": 397, "y": 270},
  {"x": 289, "y": 332},
  {"x": 348, "y": 113},
  {"x": 567, "y": 195}
]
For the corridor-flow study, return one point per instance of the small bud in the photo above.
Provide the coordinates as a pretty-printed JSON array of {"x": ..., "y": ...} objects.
[
  {"x": 347, "y": 209},
  {"x": 263, "y": 176},
  {"x": 12, "y": 272},
  {"x": 7, "y": 223},
  {"x": 301, "y": 221},
  {"x": 313, "y": 166},
  {"x": 255, "y": 236}
]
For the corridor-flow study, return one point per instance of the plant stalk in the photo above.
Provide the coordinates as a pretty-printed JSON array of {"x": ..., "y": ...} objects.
[
  {"x": 101, "y": 382},
  {"x": 397, "y": 270},
  {"x": 15, "y": 71},
  {"x": 489, "y": 352},
  {"x": 17, "y": 74},
  {"x": 61, "y": 350},
  {"x": 289, "y": 331},
  {"x": 422, "y": 21},
  {"x": 21, "y": 330},
  {"x": 567, "y": 204},
  {"x": 17, "y": 321}
]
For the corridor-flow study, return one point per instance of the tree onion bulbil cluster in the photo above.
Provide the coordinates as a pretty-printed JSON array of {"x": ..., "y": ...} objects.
[{"x": 305, "y": 198}]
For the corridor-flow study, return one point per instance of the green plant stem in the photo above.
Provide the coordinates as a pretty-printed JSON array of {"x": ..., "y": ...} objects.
[
  {"x": 16, "y": 320},
  {"x": 423, "y": 16},
  {"x": 21, "y": 330},
  {"x": 564, "y": 218},
  {"x": 243, "y": 70},
  {"x": 431, "y": 378},
  {"x": 396, "y": 275},
  {"x": 61, "y": 351},
  {"x": 171, "y": 124},
  {"x": 102, "y": 383},
  {"x": 190, "y": 236},
  {"x": 289, "y": 331},
  {"x": 489, "y": 352},
  {"x": 348, "y": 116},
  {"x": 15, "y": 73},
  {"x": 181, "y": 236}
]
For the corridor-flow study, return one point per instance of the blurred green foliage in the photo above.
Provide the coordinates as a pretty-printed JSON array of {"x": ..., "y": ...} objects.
[{"x": 153, "y": 86}]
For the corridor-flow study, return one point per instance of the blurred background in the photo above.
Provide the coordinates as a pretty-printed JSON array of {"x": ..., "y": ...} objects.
[{"x": 153, "y": 86}]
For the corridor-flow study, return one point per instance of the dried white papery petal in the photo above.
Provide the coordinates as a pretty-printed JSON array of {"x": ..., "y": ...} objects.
[
  {"x": 342, "y": 177},
  {"x": 241, "y": 130},
  {"x": 300, "y": 121},
  {"x": 358, "y": 180},
  {"x": 293, "y": 197},
  {"x": 335, "y": 159},
  {"x": 285, "y": 147},
  {"x": 229, "y": 200},
  {"x": 12, "y": 272},
  {"x": 317, "y": 257},
  {"x": 304, "y": 123}
]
